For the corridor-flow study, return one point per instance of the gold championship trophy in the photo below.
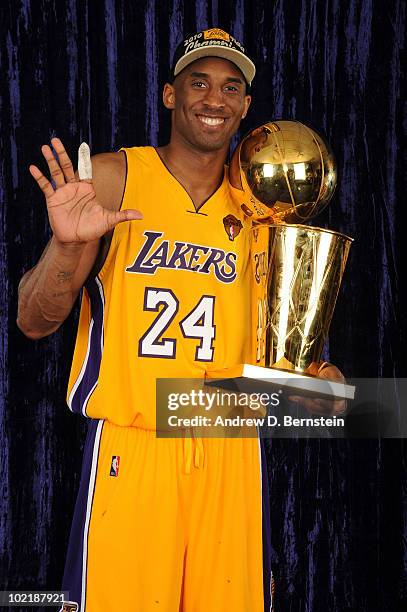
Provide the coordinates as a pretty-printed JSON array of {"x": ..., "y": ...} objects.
[{"x": 282, "y": 174}]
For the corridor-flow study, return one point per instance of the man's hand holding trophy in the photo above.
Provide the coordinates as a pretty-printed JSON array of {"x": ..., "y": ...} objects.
[{"x": 282, "y": 174}]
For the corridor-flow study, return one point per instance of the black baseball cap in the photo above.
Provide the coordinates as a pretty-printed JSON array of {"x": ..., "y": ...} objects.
[{"x": 213, "y": 43}]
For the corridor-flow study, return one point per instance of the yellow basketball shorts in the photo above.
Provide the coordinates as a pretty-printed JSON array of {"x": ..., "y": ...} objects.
[{"x": 169, "y": 525}]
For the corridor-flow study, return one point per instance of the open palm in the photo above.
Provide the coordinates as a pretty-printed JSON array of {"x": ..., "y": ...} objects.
[{"x": 74, "y": 213}]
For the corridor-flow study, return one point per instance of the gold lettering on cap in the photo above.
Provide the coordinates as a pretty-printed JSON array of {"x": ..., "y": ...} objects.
[{"x": 216, "y": 33}]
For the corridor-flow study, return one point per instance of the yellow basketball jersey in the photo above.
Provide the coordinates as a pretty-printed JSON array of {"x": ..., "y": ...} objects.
[{"x": 172, "y": 299}]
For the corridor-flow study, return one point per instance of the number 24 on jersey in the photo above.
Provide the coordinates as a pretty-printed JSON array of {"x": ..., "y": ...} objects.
[{"x": 198, "y": 324}]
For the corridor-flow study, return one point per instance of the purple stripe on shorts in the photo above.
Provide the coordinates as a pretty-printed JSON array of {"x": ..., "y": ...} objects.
[
  {"x": 78, "y": 539},
  {"x": 266, "y": 530},
  {"x": 88, "y": 378}
]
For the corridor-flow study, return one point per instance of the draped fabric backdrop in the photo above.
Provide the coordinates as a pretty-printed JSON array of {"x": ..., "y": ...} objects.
[{"x": 94, "y": 71}]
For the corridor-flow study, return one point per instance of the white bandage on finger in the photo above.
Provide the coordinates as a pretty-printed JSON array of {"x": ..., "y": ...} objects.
[{"x": 84, "y": 162}]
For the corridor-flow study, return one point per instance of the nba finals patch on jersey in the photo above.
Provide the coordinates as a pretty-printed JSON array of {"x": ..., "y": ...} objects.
[
  {"x": 114, "y": 467},
  {"x": 232, "y": 226}
]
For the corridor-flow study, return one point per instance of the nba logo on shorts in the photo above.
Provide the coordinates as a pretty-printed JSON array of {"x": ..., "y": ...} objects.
[{"x": 114, "y": 467}]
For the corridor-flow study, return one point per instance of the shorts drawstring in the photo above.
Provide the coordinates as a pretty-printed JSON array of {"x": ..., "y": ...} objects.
[{"x": 193, "y": 447}]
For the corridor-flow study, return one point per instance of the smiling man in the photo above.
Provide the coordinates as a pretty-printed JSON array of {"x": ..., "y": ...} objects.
[{"x": 160, "y": 249}]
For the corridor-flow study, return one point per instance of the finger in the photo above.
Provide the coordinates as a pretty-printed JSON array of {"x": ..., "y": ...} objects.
[
  {"x": 340, "y": 407},
  {"x": 64, "y": 160},
  {"x": 330, "y": 371},
  {"x": 54, "y": 167},
  {"x": 84, "y": 162},
  {"x": 114, "y": 218},
  {"x": 314, "y": 406},
  {"x": 327, "y": 407},
  {"x": 312, "y": 369},
  {"x": 43, "y": 183},
  {"x": 78, "y": 178}
]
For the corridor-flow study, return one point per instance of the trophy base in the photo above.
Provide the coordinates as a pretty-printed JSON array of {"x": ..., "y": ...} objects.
[{"x": 299, "y": 383}]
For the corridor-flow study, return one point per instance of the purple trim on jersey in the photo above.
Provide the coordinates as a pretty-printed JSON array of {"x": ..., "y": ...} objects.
[
  {"x": 268, "y": 607},
  {"x": 73, "y": 579},
  {"x": 88, "y": 378}
]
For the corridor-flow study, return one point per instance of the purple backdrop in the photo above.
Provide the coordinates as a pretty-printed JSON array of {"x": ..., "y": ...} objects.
[{"x": 94, "y": 71}]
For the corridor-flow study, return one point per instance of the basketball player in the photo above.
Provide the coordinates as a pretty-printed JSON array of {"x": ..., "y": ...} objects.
[{"x": 160, "y": 249}]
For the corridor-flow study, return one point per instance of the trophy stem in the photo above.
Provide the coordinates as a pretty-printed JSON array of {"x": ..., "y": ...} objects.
[{"x": 297, "y": 272}]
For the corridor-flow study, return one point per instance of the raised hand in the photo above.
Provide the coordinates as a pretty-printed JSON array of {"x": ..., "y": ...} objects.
[{"x": 74, "y": 213}]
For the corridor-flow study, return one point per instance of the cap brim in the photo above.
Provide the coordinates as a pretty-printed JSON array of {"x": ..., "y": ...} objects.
[{"x": 238, "y": 58}]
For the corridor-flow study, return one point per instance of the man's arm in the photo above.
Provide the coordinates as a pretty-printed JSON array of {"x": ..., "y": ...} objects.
[
  {"x": 47, "y": 292},
  {"x": 80, "y": 213}
]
